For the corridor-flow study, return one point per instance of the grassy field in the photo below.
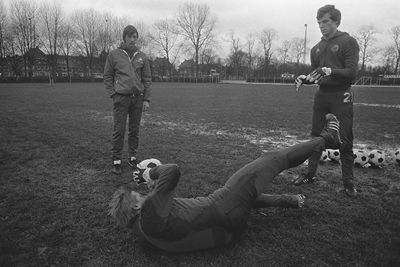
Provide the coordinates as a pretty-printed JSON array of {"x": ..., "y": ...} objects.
[{"x": 55, "y": 180}]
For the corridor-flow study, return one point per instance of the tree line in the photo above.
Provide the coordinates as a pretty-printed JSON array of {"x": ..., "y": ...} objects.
[{"x": 26, "y": 24}]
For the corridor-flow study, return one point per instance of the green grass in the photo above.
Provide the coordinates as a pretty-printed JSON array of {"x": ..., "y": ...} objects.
[{"x": 55, "y": 181}]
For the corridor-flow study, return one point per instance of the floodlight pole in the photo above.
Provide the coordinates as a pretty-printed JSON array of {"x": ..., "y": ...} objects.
[{"x": 305, "y": 44}]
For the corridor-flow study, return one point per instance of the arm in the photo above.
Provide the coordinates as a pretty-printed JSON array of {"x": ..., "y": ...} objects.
[
  {"x": 157, "y": 206},
  {"x": 146, "y": 79},
  {"x": 109, "y": 75},
  {"x": 351, "y": 57},
  {"x": 167, "y": 177}
]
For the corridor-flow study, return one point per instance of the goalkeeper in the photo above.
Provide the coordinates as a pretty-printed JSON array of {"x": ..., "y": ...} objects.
[
  {"x": 189, "y": 224},
  {"x": 335, "y": 63}
]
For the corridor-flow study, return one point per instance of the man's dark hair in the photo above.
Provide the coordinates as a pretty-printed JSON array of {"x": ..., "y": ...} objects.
[
  {"x": 334, "y": 13},
  {"x": 129, "y": 30}
]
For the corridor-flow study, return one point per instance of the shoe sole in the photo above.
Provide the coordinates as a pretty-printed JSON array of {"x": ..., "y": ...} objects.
[{"x": 305, "y": 181}]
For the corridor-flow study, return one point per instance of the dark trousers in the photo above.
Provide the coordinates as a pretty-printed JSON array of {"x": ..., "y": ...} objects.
[
  {"x": 124, "y": 106},
  {"x": 248, "y": 183},
  {"x": 341, "y": 105}
]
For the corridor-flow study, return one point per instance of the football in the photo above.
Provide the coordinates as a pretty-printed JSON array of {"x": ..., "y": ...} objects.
[
  {"x": 334, "y": 154},
  {"x": 376, "y": 158},
  {"x": 324, "y": 156},
  {"x": 361, "y": 157},
  {"x": 397, "y": 156},
  {"x": 148, "y": 163}
]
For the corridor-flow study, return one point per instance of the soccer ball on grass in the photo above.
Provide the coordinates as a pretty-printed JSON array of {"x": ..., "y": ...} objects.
[
  {"x": 361, "y": 157},
  {"x": 397, "y": 156},
  {"x": 324, "y": 156},
  {"x": 376, "y": 158},
  {"x": 334, "y": 154},
  {"x": 148, "y": 163}
]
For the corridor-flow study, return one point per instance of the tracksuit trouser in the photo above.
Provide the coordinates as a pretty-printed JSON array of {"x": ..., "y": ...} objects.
[
  {"x": 340, "y": 103},
  {"x": 126, "y": 106}
]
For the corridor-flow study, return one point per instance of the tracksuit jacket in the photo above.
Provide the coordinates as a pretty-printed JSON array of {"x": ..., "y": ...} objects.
[
  {"x": 127, "y": 75},
  {"x": 340, "y": 53}
]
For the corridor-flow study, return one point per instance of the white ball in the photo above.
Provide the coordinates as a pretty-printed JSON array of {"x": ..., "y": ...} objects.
[
  {"x": 397, "y": 156},
  {"x": 361, "y": 157},
  {"x": 324, "y": 156},
  {"x": 334, "y": 154},
  {"x": 376, "y": 158},
  {"x": 149, "y": 163}
]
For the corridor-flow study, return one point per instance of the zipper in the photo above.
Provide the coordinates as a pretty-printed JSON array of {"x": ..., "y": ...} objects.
[{"x": 130, "y": 59}]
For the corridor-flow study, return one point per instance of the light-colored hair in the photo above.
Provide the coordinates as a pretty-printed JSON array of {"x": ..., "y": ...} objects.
[{"x": 122, "y": 207}]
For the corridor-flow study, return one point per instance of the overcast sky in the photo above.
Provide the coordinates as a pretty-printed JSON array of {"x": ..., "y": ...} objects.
[{"x": 287, "y": 17}]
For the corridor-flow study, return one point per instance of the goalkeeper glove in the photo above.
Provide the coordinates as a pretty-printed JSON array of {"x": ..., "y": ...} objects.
[
  {"x": 300, "y": 80},
  {"x": 317, "y": 75},
  {"x": 141, "y": 176}
]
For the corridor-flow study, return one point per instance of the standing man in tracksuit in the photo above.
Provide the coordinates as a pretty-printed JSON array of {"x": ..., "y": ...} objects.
[
  {"x": 127, "y": 79},
  {"x": 335, "y": 63}
]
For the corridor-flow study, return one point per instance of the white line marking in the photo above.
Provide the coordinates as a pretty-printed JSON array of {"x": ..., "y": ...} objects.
[{"x": 377, "y": 105}]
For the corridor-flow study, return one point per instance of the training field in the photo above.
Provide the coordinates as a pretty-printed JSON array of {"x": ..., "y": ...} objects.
[{"x": 55, "y": 180}]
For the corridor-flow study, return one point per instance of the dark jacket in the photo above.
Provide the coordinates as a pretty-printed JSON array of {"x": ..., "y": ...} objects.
[
  {"x": 341, "y": 54},
  {"x": 127, "y": 75}
]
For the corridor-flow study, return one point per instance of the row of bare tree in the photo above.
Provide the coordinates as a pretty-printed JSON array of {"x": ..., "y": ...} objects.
[{"x": 25, "y": 24}]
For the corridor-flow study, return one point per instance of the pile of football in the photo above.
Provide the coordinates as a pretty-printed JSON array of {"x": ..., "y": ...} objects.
[
  {"x": 363, "y": 158},
  {"x": 330, "y": 155}
]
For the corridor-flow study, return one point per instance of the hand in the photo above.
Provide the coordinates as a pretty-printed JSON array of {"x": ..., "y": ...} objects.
[
  {"x": 299, "y": 81},
  {"x": 146, "y": 105},
  {"x": 142, "y": 176},
  {"x": 138, "y": 176},
  {"x": 317, "y": 75}
]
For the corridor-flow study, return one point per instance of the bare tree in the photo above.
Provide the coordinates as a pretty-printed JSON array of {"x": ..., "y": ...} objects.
[
  {"x": 266, "y": 38},
  {"x": 388, "y": 59},
  {"x": 297, "y": 49},
  {"x": 117, "y": 24},
  {"x": 166, "y": 39},
  {"x": 87, "y": 28},
  {"x": 24, "y": 19},
  {"x": 208, "y": 56},
  {"x": 365, "y": 38},
  {"x": 237, "y": 56},
  {"x": 395, "y": 31},
  {"x": 66, "y": 42},
  {"x": 251, "y": 52},
  {"x": 51, "y": 17},
  {"x": 3, "y": 31},
  {"x": 196, "y": 24},
  {"x": 284, "y": 51},
  {"x": 104, "y": 34}
]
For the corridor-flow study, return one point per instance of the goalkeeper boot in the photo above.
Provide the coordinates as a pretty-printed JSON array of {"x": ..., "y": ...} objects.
[
  {"x": 330, "y": 133},
  {"x": 304, "y": 178},
  {"x": 117, "y": 167}
]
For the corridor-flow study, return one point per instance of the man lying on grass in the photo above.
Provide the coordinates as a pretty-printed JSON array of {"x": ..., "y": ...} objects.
[{"x": 188, "y": 224}]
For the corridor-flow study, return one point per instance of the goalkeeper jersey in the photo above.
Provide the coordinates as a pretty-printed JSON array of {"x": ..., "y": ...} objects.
[{"x": 341, "y": 54}]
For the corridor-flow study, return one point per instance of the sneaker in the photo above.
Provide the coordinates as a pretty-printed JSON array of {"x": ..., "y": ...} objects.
[
  {"x": 132, "y": 161},
  {"x": 300, "y": 200},
  {"x": 116, "y": 169},
  {"x": 350, "y": 190},
  {"x": 304, "y": 179},
  {"x": 331, "y": 132}
]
